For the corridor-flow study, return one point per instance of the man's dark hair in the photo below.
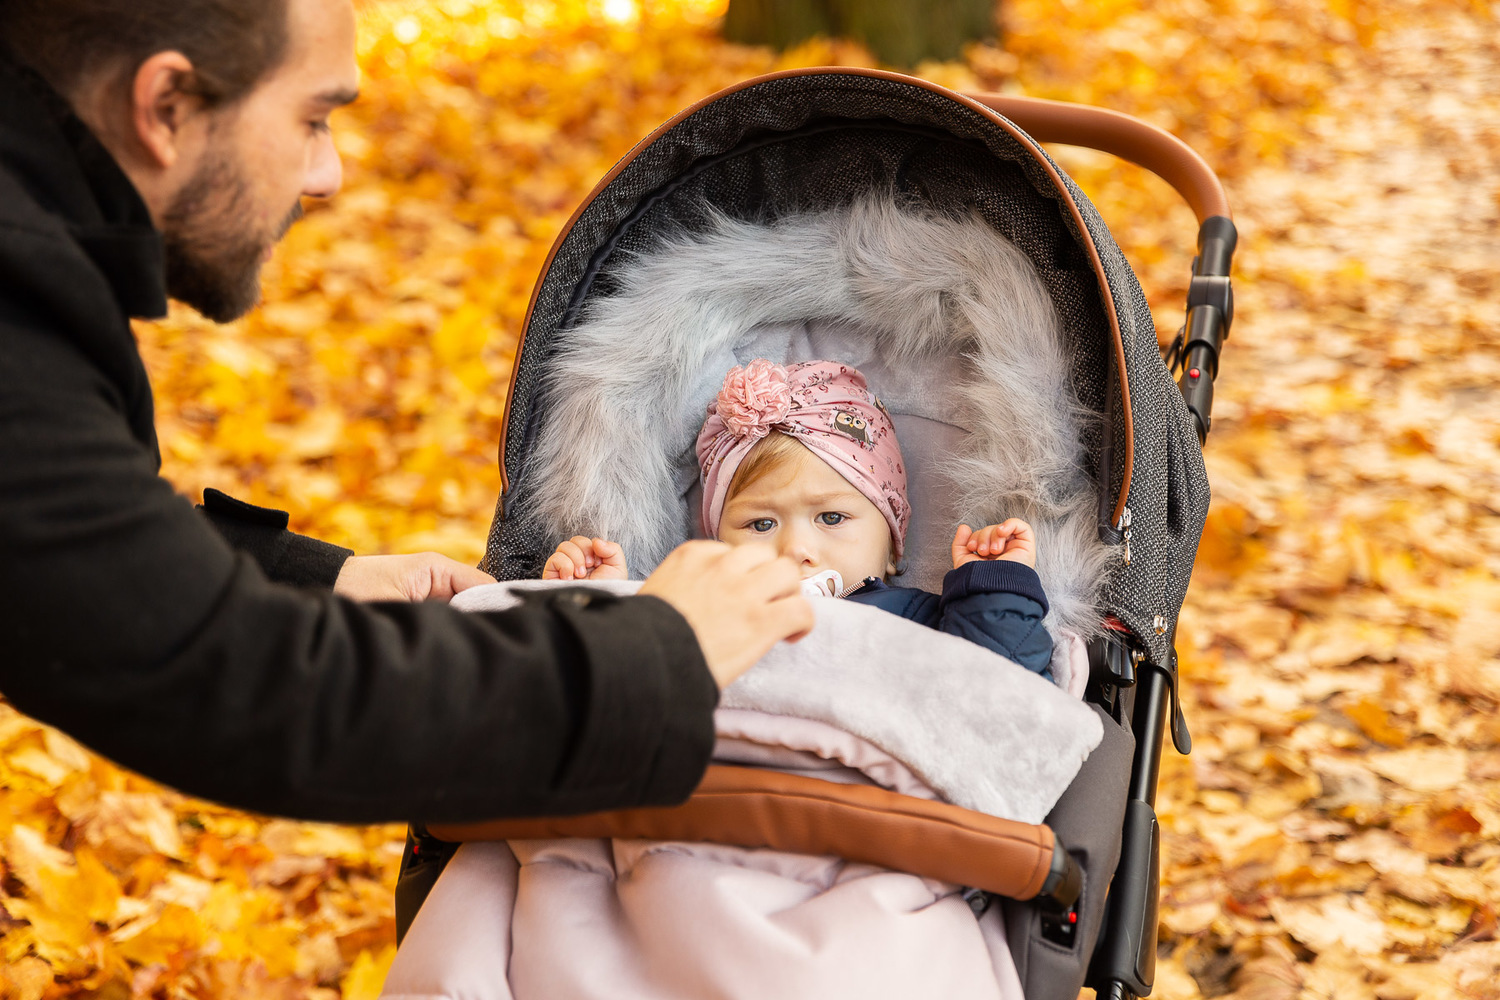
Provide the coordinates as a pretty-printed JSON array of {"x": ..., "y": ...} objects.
[{"x": 232, "y": 44}]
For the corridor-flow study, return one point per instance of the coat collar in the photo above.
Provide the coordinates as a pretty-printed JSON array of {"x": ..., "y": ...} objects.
[{"x": 49, "y": 149}]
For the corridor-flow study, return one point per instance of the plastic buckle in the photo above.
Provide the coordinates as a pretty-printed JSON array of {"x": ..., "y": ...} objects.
[
  {"x": 1058, "y": 900},
  {"x": 1060, "y": 926}
]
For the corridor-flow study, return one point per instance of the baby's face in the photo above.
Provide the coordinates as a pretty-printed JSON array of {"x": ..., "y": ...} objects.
[{"x": 811, "y": 514}]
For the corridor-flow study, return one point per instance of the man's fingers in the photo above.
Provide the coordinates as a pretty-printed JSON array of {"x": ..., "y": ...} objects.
[
  {"x": 794, "y": 617},
  {"x": 740, "y": 601},
  {"x": 743, "y": 558},
  {"x": 697, "y": 553},
  {"x": 773, "y": 580},
  {"x": 465, "y": 576}
]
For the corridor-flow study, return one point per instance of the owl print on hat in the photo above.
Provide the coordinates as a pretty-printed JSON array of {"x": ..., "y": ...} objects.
[{"x": 853, "y": 425}]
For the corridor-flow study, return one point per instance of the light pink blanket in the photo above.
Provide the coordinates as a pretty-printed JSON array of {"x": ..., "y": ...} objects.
[
  {"x": 867, "y": 697},
  {"x": 648, "y": 920}
]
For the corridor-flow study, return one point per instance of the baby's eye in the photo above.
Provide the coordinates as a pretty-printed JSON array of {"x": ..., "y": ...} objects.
[
  {"x": 762, "y": 525},
  {"x": 831, "y": 517}
]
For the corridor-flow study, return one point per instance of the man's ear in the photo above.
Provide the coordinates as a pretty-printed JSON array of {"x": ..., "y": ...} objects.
[{"x": 161, "y": 102}]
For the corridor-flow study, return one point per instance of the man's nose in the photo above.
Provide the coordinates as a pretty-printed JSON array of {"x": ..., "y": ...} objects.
[{"x": 325, "y": 174}]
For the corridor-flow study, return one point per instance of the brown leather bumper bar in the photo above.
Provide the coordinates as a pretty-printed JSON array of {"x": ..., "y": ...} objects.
[
  {"x": 1143, "y": 144},
  {"x": 751, "y": 807}
]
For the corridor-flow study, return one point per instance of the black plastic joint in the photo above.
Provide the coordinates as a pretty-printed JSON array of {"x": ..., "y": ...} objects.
[
  {"x": 1064, "y": 882},
  {"x": 1058, "y": 900},
  {"x": 1111, "y": 662},
  {"x": 1212, "y": 290}
]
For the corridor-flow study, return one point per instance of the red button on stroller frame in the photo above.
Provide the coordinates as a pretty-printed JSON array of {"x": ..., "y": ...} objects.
[{"x": 1193, "y": 373}]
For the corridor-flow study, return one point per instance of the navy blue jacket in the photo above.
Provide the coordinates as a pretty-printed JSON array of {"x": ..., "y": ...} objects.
[{"x": 998, "y": 604}]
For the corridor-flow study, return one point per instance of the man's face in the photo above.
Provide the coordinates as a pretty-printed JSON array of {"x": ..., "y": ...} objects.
[{"x": 261, "y": 156}]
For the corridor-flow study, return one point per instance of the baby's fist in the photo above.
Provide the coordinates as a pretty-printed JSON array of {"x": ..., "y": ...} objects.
[
  {"x": 583, "y": 558},
  {"x": 1011, "y": 540}
]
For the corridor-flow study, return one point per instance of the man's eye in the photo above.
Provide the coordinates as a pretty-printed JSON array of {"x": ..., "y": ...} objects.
[
  {"x": 831, "y": 518},
  {"x": 320, "y": 126},
  {"x": 762, "y": 525}
]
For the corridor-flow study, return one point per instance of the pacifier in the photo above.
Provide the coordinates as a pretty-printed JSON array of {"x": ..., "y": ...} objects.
[{"x": 825, "y": 584}]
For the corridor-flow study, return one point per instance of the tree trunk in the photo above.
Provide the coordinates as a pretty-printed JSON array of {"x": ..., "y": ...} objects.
[{"x": 898, "y": 32}]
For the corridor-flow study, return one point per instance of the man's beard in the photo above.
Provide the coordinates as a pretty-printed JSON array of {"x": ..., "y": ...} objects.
[{"x": 213, "y": 258}]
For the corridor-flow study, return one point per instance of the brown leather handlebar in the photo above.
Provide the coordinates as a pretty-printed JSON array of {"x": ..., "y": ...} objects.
[
  {"x": 1145, "y": 145},
  {"x": 753, "y": 807}
]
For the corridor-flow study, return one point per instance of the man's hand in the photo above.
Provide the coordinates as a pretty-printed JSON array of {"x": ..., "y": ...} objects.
[
  {"x": 740, "y": 601},
  {"x": 425, "y": 576},
  {"x": 582, "y": 558},
  {"x": 1011, "y": 541}
]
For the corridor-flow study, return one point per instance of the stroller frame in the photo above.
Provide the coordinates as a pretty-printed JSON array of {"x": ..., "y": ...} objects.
[{"x": 1133, "y": 666}]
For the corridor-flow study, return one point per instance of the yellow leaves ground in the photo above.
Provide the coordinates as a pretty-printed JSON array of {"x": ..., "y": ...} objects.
[
  {"x": 1340, "y": 641},
  {"x": 114, "y": 885},
  {"x": 1336, "y": 833}
]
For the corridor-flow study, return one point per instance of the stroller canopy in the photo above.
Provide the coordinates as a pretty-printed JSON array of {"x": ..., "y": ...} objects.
[{"x": 806, "y": 141}]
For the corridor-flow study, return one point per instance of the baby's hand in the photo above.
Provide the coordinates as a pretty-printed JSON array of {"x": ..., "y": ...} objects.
[
  {"x": 1011, "y": 540},
  {"x": 581, "y": 558}
]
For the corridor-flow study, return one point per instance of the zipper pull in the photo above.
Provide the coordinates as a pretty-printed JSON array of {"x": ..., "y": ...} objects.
[{"x": 1124, "y": 526}]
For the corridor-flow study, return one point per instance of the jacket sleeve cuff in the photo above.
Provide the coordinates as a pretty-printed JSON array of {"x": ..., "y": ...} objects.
[
  {"x": 261, "y": 533},
  {"x": 648, "y": 729},
  {"x": 993, "y": 577}
]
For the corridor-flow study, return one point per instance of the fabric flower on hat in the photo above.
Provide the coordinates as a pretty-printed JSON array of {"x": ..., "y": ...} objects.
[{"x": 754, "y": 399}]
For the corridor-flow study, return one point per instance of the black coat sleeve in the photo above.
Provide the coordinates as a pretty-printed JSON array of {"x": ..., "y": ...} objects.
[
  {"x": 129, "y": 623},
  {"x": 1000, "y": 605},
  {"x": 261, "y": 533}
]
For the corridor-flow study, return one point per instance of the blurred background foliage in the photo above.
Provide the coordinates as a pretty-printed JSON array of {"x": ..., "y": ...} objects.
[{"x": 897, "y": 32}]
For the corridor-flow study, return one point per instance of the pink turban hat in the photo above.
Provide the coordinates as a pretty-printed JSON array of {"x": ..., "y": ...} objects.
[{"x": 828, "y": 408}]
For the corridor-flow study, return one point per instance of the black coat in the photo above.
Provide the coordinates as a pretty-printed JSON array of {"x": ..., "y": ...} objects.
[{"x": 218, "y": 661}]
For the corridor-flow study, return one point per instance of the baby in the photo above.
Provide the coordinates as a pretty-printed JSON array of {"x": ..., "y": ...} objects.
[{"x": 804, "y": 458}]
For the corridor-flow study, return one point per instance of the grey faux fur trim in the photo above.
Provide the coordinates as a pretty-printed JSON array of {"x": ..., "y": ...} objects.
[{"x": 950, "y": 311}]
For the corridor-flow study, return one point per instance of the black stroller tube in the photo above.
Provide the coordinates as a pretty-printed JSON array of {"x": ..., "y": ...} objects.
[
  {"x": 1210, "y": 312},
  {"x": 1126, "y": 959}
]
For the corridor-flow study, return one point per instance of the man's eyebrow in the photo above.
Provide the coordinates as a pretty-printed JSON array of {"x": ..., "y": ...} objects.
[{"x": 337, "y": 98}]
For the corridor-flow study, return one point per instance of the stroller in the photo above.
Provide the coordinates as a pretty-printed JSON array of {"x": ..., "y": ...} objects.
[{"x": 1078, "y": 892}]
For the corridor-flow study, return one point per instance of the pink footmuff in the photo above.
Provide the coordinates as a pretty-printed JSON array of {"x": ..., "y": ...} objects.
[{"x": 587, "y": 919}]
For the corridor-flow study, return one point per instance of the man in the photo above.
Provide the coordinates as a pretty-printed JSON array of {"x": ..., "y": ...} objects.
[{"x": 160, "y": 147}]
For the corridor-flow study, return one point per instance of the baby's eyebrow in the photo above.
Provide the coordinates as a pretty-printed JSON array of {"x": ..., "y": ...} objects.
[
  {"x": 833, "y": 497},
  {"x": 837, "y": 496}
]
